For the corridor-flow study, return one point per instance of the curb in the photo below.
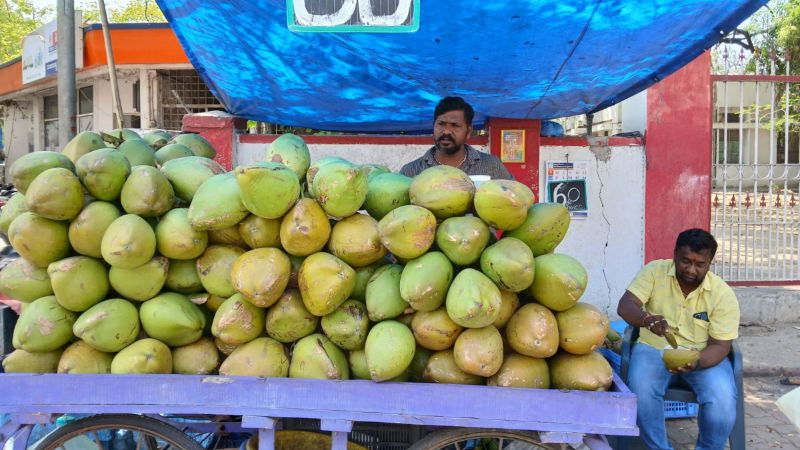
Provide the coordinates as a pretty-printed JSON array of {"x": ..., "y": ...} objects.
[{"x": 762, "y": 370}]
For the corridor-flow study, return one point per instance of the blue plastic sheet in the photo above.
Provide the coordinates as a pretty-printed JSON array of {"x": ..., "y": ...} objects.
[{"x": 516, "y": 59}]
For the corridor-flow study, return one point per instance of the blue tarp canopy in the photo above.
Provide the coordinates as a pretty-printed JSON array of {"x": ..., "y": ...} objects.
[{"x": 515, "y": 59}]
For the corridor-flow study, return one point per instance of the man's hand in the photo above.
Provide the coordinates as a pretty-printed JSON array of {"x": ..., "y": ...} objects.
[
  {"x": 656, "y": 324},
  {"x": 688, "y": 367}
]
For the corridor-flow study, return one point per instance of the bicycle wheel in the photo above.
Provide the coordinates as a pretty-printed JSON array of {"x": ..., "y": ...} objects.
[
  {"x": 482, "y": 439},
  {"x": 119, "y": 432}
]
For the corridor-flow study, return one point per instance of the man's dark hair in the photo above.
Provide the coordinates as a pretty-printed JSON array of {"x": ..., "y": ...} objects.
[
  {"x": 697, "y": 240},
  {"x": 448, "y": 104}
]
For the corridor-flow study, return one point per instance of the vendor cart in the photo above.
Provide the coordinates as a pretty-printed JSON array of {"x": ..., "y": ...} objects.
[{"x": 439, "y": 415}]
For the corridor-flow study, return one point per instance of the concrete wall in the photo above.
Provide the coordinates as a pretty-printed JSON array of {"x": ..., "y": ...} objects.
[
  {"x": 610, "y": 242},
  {"x": 391, "y": 156},
  {"x": 18, "y": 134}
]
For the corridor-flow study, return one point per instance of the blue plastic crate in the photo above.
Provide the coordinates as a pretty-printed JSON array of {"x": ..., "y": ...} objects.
[
  {"x": 613, "y": 358},
  {"x": 680, "y": 410}
]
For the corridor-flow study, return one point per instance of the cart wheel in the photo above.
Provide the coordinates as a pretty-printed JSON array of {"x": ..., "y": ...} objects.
[
  {"x": 118, "y": 432},
  {"x": 482, "y": 439}
]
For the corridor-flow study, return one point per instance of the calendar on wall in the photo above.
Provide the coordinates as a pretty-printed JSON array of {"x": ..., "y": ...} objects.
[{"x": 565, "y": 183}]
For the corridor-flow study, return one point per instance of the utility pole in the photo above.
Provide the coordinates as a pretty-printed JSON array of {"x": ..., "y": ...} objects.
[
  {"x": 67, "y": 103},
  {"x": 112, "y": 68}
]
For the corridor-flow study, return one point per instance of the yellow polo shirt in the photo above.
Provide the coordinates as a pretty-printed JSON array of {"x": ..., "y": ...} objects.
[{"x": 710, "y": 310}]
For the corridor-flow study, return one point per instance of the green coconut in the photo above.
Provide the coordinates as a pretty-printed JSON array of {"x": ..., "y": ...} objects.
[
  {"x": 145, "y": 356},
  {"x": 383, "y": 293},
  {"x": 128, "y": 242},
  {"x": 108, "y": 326},
  {"x": 425, "y": 281},
  {"x": 27, "y": 167},
  {"x": 305, "y": 229},
  {"x": 386, "y": 191},
  {"x": 261, "y": 275},
  {"x": 140, "y": 283},
  {"x": 43, "y": 326},
  {"x": 291, "y": 150},
  {"x": 172, "y": 151},
  {"x": 55, "y": 194},
  {"x": 237, "y": 321},
  {"x": 509, "y": 263},
  {"x": 288, "y": 319},
  {"x": 268, "y": 189},
  {"x": 20, "y": 361},
  {"x": 544, "y": 227},
  {"x": 201, "y": 357},
  {"x": 103, "y": 172},
  {"x": 559, "y": 281},
  {"x": 217, "y": 204},
  {"x": 182, "y": 277},
  {"x": 83, "y": 143},
  {"x": 408, "y": 231},
  {"x": 473, "y": 300},
  {"x": 172, "y": 319},
  {"x": 315, "y": 356},
  {"x": 463, "y": 239},
  {"x": 261, "y": 357},
  {"x": 147, "y": 192},
  {"x": 196, "y": 143},
  {"x": 138, "y": 152},
  {"x": 79, "y": 282},
  {"x": 23, "y": 281},
  {"x": 325, "y": 283},
  {"x": 503, "y": 204},
  {"x": 444, "y": 190},
  {"x": 389, "y": 349},
  {"x": 340, "y": 188},
  {"x": 81, "y": 357},
  {"x": 214, "y": 268},
  {"x": 189, "y": 173},
  {"x": 87, "y": 229},
  {"x": 15, "y": 206},
  {"x": 348, "y": 325},
  {"x": 258, "y": 232},
  {"x": 39, "y": 240},
  {"x": 356, "y": 240},
  {"x": 177, "y": 239}
]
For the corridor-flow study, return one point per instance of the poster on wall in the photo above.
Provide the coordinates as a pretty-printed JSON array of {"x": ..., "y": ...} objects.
[
  {"x": 512, "y": 146},
  {"x": 566, "y": 184},
  {"x": 40, "y": 50}
]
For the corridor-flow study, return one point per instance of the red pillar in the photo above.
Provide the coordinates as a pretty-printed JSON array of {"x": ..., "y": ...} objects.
[
  {"x": 527, "y": 170},
  {"x": 678, "y": 152},
  {"x": 220, "y": 130}
]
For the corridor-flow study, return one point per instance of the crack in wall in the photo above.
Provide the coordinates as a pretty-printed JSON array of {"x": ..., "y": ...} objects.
[{"x": 608, "y": 230}]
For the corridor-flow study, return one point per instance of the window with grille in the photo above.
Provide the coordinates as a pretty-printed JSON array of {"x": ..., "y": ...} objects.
[
  {"x": 51, "y": 123},
  {"x": 183, "y": 92}
]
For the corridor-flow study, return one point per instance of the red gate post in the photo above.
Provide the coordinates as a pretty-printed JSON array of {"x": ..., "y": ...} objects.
[
  {"x": 220, "y": 130},
  {"x": 527, "y": 170},
  {"x": 678, "y": 149}
]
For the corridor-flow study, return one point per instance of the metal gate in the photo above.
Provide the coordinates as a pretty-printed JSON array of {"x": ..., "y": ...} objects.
[{"x": 755, "y": 198}]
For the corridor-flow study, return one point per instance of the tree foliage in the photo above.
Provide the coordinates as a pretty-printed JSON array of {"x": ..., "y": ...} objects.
[
  {"x": 17, "y": 18},
  {"x": 771, "y": 34},
  {"x": 133, "y": 11}
]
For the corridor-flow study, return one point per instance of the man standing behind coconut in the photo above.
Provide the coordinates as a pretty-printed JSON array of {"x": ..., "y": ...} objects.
[
  {"x": 678, "y": 302},
  {"x": 452, "y": 126}
]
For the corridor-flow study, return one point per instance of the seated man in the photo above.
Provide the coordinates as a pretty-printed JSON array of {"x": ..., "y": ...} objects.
[{"x": 680, "y": 295}]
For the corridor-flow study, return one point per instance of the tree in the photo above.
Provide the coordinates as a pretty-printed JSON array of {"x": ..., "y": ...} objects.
[
  {"x": 772, "y": 30},
  {"x": 134, "y": 11},
  {"x": 17, "y": 18}
]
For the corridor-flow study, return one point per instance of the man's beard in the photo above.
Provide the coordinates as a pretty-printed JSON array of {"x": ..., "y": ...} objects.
[{"x": 447, "y": 150}]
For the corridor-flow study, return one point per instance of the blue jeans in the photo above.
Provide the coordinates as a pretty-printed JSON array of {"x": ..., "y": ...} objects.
[{"x": 716, "y": 393}]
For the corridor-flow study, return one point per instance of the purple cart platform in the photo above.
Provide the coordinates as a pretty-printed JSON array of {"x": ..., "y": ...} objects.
[{"x": 570, "y": 417}]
